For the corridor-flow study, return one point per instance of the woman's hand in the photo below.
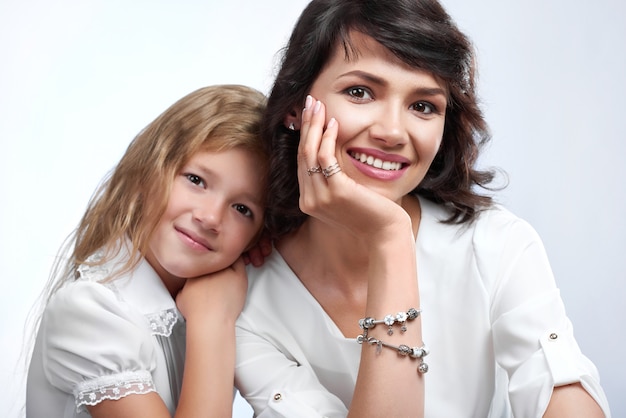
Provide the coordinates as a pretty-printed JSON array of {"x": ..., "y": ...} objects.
[
  {"x": 221, "y": 293},
  {"x": 336, "y": 198}
]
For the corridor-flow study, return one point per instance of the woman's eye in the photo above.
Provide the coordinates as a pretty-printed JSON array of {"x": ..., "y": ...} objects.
[
  {"x": 197, "y": 180},
  {"x": 359, "y": 93},
  {"x": 243, "y": 209},
  {"x": 424, "y": 107}
]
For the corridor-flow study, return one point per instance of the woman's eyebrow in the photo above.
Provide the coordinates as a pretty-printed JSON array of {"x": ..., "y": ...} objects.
[
  {"x": 365, "y": 75},
  {"x": 422, "y": 90}
]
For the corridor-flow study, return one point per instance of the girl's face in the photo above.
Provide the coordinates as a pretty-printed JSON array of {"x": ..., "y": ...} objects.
[
  {"x": 391, "y": 116},
  {"x": 214, "y": 211}
]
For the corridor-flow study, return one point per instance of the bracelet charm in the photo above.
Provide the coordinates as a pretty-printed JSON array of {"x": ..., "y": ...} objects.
[{"x": 400, "y": 318}]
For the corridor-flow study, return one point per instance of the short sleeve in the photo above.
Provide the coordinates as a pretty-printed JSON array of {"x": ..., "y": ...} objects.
[{"x": 95, "y": 346}]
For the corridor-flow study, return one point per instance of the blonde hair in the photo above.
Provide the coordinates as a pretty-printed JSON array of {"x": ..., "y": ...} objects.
[{"x": 127, "y": 206}]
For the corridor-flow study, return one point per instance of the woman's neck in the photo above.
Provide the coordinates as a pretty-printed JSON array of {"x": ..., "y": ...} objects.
[
  {"x": 326, "y": 251},
  {"x": 333, "y": 266}
]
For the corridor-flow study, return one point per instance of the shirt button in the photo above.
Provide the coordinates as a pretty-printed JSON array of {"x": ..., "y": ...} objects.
[
  {"x": 554, "y": 336},
  {"x": 278, "y": 397}
]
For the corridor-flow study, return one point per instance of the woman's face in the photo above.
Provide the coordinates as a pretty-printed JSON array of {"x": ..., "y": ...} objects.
[{"x": 391, "y": 116}]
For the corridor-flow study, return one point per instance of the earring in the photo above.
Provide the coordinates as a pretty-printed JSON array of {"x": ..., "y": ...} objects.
[{"x": 292, "y": 127}]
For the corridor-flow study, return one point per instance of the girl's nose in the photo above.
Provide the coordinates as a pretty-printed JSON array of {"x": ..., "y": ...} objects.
[{"x": 209, "y": 215}]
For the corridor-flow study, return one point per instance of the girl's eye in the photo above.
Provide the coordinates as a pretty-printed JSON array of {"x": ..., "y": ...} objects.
[
  {"x": 243, "y": 209},
  {"x": 197, "y": 180},
  {"x": 423, "y": 107},
  {"x": 359, "y": 93}
]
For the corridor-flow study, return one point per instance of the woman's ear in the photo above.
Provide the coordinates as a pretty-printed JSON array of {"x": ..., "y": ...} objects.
[{"x": 292, "y": 120}]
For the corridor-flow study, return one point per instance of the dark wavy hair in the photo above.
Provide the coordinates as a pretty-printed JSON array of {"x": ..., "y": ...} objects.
[{"x": 421, "y": 34}]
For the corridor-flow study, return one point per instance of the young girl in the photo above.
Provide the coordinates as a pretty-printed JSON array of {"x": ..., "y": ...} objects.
[
  {"x": 397, "y": 289},
  {"x": 162, "y": 237}
]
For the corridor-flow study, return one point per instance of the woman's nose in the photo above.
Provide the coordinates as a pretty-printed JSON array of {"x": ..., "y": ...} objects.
[{"x": 389, "y": 125}]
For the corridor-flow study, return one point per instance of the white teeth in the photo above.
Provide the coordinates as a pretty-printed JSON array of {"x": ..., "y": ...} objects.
[{"x": 376, "y": 162}]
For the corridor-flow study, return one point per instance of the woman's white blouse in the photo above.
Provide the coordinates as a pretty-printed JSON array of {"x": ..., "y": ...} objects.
[
  {"x": 102, "y": 341},
  {"x": 492, "y": 317}
]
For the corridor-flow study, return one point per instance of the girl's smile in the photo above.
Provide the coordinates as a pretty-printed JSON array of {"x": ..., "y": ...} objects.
[{"x": 214, "y": 212}]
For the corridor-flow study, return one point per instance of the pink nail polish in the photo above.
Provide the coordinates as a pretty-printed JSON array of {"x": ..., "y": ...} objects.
[
  {"x": 331, "y": 122},
  {"x": 308, "y": 101},
  {"x": 317, "y": 107}
]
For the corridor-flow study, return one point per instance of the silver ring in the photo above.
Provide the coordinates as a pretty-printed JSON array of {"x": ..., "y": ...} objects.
[
  {"x": 331, "y": 170},
  {"x": 313, "y": 170}
]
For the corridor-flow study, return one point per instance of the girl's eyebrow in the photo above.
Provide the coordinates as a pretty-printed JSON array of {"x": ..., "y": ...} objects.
[{"x": 428, "y": 91}]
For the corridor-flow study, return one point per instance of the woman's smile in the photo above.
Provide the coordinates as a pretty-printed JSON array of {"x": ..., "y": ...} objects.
[{"x": 390, "y": 116}]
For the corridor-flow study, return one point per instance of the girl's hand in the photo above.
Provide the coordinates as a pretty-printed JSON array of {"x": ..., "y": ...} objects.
[
  {"x": 336, "y": 198},
  {"x": 216, "y": 295},
  {"x": 258, "y": 252}
]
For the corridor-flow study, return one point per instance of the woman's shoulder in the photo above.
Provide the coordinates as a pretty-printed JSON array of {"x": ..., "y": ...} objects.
[{"x": 492, "y": 226}]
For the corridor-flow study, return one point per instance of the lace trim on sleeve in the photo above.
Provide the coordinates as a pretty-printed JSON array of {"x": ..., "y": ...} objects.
[
  {"x": 114, "y": 387},
  {"x": 162, "y": 323}
]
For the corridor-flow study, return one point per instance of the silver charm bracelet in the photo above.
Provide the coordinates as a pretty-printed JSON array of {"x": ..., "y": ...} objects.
[
  {"x": 389, "y": 320},
  {"x": 402, "y": 349}
]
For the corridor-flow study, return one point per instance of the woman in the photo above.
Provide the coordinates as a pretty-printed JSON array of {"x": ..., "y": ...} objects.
[{"x": 377, "y": 216}]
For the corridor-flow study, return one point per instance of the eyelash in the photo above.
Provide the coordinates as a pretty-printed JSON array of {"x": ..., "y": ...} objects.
[
  {"x": 239, "y": 207},
  {"x": 350, "y": 91},
  {"x": 197, "y": 180},
  {"x": 248, "y": 213}
]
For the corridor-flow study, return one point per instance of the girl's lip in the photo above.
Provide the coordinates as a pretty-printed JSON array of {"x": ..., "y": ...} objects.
[{"x": 196, "y": 241}]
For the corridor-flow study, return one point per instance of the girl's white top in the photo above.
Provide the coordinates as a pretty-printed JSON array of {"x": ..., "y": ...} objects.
[
  {"x": 493, "y": 319},
  {"x": 106, "y": 340}
]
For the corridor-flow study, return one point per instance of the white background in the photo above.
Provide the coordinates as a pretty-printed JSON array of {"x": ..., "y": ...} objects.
[{"x": 78, "y": 80}]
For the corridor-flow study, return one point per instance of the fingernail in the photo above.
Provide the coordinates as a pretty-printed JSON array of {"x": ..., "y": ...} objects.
[
  {"x": 317, "y": 107},
  {"x": 308, "y": 101},
  {"x": 331, "y": 122}
]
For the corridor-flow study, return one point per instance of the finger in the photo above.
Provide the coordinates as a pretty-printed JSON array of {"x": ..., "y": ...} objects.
[
  {"x": 310, "y": 139},
  {"x": 254, "y": 256},
  {"x": 304, "y": 130},
  {"x": 265, "y": 244},
  {"x": 328, "y": 144},
  {"x": 305, "y": 118},
  {"x": 314, "y": 119}
]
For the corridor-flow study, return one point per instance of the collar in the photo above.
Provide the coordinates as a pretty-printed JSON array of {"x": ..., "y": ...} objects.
[{"x": 142, "y": 288}]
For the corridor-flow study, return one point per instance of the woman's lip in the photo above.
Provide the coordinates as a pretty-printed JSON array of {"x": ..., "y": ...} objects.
[
  {"x": 380, "y": 155},
  {"x": 193, "y": 239},
  {"x": 378, "y": 173}
]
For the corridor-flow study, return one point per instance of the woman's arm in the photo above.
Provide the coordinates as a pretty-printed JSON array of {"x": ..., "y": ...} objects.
[
  {"x": 388, "y": 384},
  {"x": 572, "y": 401}
]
